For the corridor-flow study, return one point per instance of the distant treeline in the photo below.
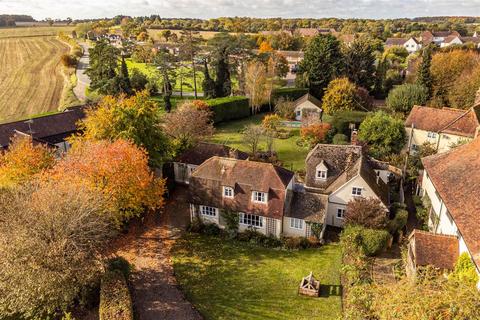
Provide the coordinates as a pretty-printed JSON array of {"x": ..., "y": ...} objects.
[{"x": 8, "y": 20}]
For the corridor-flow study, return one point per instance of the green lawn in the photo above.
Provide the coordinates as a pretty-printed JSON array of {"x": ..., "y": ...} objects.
[
  {"x": 289, "y": 152},
  {"x": 227, "y": 279}
]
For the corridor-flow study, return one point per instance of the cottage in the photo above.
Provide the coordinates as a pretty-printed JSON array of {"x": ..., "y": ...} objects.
[
  {"x": 307, "y": 106},
  {"x": 50, "y": 129},
  {"x": 189, "y": 160},
  {"x": 442, "y": 127},
  {"x": 343, "y": 173},
  {"x": 424, "y": 248},
  {"x": 256, "y": 191},
  {"x": 451, "y": 183},
  {"x": 437, "y": 37},
  {"x": 411, "y": 44}
]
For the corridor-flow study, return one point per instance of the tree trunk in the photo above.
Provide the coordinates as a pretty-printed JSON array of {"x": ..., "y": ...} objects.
[{"x": 194, "y": 77}]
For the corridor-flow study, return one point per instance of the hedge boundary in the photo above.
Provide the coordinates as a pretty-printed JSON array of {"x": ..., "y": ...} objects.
[
  {"x": 115, "y": 299},
  {"x": 229, "y": 108}
]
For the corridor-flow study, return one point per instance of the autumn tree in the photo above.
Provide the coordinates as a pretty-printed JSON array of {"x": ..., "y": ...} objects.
[
  {"x": 383, "y": 133},
  {"x": 134, "y": 118},
  {"x": 190, "y": 123},
  {"x": 463, "y": 92},
  {"x": 23, "y": 160},
  {"x": 323, "y": 61},
  {"x": 118, "y": 170},
  {"x": 265, "y": 47},
  {"x": 315, "y": 133},
  {"x": 252, "y": 136},
  {"x": 340, "y": 95},
  {"x": 366, "y": 212},
  {"x": 52, "y": 236},
  {"x": 285, "y": 108},
  {"x": 271, "y": 122},
  {"x": 256, "y": 85}
]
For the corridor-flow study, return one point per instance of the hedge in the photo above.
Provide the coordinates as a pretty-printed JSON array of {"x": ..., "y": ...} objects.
[
  {"x": 229, "y": 108},
  {"x": 289, "y": 93},
  {"x": 115, "y": 300},
  {"x": 341, "y": 121}
]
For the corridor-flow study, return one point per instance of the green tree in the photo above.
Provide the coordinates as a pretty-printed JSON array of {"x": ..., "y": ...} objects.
[
  {"x": 166, "y": 64},
  {"x": 402, "y": 98},
  {"x": 103, "y": 68},
  {"x": 189, "y": 48},
  {"x": 124, "y": 85},
  {"x": 340, "y": 95},
  {"x": 138, "y": 80},
  {"x": 424, "y": 75},
  {"x": 323, "y": 61},
  {"x": 166, "y": 34},
  {"x": 383, "y": 134},
  {"x": 360, "y": 62},
  {"x": 208, "y": 84}
]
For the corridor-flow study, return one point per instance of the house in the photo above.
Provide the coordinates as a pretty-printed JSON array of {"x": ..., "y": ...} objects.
[
  {"x": 189, "y": 160},
  {"x": 306, "y": 106},
  {"x": 51, "y": 129},
  {"x": 451, "y": 184},
  {"x": 437, "y": 37},
  {"x": 443, "y": 127},
  {"x": 411, "y": 44},
  {"x": 424, "y": 248},
  {"x": 257, "y": 191},
  {"x": 451, "y": 40},
  {"x": 342, "y": 173}
]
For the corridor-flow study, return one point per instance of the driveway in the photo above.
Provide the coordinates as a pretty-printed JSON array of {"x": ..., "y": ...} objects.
[
  {"x": 83, "y": 81},
  {"x": 147, "y": 246}
]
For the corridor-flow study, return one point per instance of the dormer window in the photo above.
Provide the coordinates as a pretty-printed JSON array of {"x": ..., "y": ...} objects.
[
  {"x": 260, "y": 197},
  {"x": 321, "y": 172},
  {"x": 432, "y": 135},
  {"x": 227, "y": 192},
  {"x": 322, "y": 175}
]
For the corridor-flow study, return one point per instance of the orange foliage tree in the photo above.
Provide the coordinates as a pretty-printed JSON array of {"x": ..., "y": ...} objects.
[
  {"x": 265, "y": 47},
  {"x": 315, "y": 133},
  {"x": 23, "y": 160},
  {"x": 118, "y": 170}
]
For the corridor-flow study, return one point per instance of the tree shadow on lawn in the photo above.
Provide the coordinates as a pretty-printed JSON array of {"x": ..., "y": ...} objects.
[{"x": 234, "y": 280}]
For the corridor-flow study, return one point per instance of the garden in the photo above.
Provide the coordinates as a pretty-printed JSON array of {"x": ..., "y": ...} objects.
[{"x": 229, "y": 279}]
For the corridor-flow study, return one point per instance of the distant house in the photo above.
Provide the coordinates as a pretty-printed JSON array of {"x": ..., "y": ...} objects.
[
  {"x": 51, "y": 129},
  {"x": 411, "y": 44},
  {"x": 430, "y": 249},
  {"x": 451, "y": 184},
  {"x": 306, "y": 106},
  {"x": 343, "y": 173},
  {"x": 312, "y": 32},
  {"x": 256, "y": 191},
  {"x": 189, "y": 160},
  {"x": 437, "y": 37},
  {"x": 441, "y": 126},
  {"x": 451, "y": 40}
]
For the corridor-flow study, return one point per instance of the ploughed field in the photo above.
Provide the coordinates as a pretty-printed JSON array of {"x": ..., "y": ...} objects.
[{"x": 31, "y": 79}]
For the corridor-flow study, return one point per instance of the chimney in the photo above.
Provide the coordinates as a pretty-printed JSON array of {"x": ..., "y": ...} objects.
[{"x": 354, "y": 137}]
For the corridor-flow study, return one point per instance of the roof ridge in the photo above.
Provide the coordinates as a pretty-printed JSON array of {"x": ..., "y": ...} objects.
[{"x": 455, "y": 120}]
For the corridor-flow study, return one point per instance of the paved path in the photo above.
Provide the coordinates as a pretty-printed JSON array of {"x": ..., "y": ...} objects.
[
  {"x": 83, "y": 81},
  {"x": 155, "y": 292}
]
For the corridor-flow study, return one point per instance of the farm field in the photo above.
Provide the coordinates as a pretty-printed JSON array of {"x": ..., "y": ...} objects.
[
  {"x": 228, "y": 279},
  {"x": 155, "y": 34},
  {"x": 33, "y": 31},
  {"x": 31, "y": 79}
]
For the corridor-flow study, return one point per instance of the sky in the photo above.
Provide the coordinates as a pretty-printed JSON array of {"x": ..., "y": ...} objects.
[{"x": 41, "y": 9}]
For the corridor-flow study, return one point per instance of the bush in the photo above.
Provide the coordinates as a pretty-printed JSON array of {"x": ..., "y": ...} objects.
[
  {"x": 256, "y": 237},
  {"x": 340, "y": 139},
  {"x": 315, "y": 133},
  {"x": 342, "y": 120},
  {"x": 120, "y": 264},
  {"x": 229, "y": 108},
  {"x": 271, "y": 122},
  {"x": 465, "y": 270},
  {"x": 374, "y": 241},
  {"x": 293, "y": 243},
  {"x": 196, "y": 225},
  {"x": 288, "y": 93},
  {"x": 211, "y": 229},
  {"x": 285, "y": 108},
  {"x": 115, "y": 300},
  {"x": 402, "y": 98},
  {"x": 69, "y": 61},
  {"x": 399, "y": 222}
]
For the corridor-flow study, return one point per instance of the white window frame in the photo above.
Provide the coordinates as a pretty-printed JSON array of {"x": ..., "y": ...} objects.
[
  {"x": 208, "y": 211},
  {"x": 432, "y": 135},
  {"x": 263, "y": 196},
  {"x": 358, "y": 192},
  {"x": 296, "y": 223},
  {"x": 228, "y": 192},
  {"x": 341, "y": 213},
  {"x": 298, "y": 113},
  {"x": 321, "y": 175},
  {"x": 250, "y": 220}
]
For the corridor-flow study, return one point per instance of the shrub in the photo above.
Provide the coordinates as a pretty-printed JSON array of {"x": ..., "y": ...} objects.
[
  {"x": 402, "y": 98},
  {"x": 465, "y": 270},
  {"x": 293, "y": 243},
  {"x": 229, "y": 108},
  {"x": 315, "y": 133},
  {"x": 366, "y": 212},
  {"x": 342, "y": 120},
  {"x": 253, "y": 236},
  {"x": 399, "y": 222},
  {"x": 196, "y": 225},
  {"x": 288, "y": 93},
  {"x": 115, "y": 300},
  {"x": 374, "y": 241},
  {"x": 211, "y": 229},
  {"x": 285, "y": 108},
  {"x": 231, "y": 222},
  {"x": 120, "y": 264},
  {"x": 340, "y": 138},
  {"x": 271, "y": 122},
  {"x": 68, "y": 60}
]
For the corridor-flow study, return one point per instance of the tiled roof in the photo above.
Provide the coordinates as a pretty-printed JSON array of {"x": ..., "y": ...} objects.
[
  {"x": 456, "y": 177},
  {"x": 308, "y": 206},
  {"x": 51, "y": 128},
  {"x": 395, "y": 41},
  {"x": 244, "y": 177},
  {"x": 445, "y": 120},
  {"x": 451, "y": 38},
  {"x": 204, "y": 151},
  {"x": 308, "y": 97},
  {"x": 471, "y": 39},
  {"x": 440, "y": 251}
]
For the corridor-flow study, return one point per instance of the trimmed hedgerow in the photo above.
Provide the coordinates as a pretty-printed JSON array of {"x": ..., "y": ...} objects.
[
  {"x": 229, "y": 108},
  {"x": 115, "y": 299},
  {"x": 289, "y": 93}
]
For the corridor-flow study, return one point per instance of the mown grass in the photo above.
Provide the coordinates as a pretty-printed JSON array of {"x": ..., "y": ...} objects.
[{"x": 227, "y": 279}]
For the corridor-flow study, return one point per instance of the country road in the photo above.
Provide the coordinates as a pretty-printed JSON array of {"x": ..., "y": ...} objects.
[{"x": 83, "y": 81}]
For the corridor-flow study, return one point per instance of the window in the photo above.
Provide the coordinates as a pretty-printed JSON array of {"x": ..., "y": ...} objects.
[
  {"x": 296, "y": 223},
  {"x": 356, "y": 191},
  {"x": 228, "y": 192},
  {"x": 251, "y": 220},
  {"x": 208, "y": 211},
  {"x": 340, "y": 213},
  {"x": 322, "y": 174},
  {"x": 432, "y": 135},
  {"x": 259, "y": 197},
  {"x": 299, "y": 113}
]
